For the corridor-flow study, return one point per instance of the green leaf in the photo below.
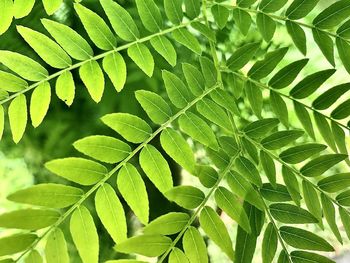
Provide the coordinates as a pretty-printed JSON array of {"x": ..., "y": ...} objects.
[
  {"x": 194, "y": 246},
  {"x": 146, "y": 245},
  {"x": 345, "y": 219},
  {"x": 164, "y": 47},
  {"x": 46, "y": 48},
  {"x": 264, "y": 67},
  {"x": 291, "y": 214},
  {"x": 245, "y": 3},
  {"x": 51, "y": 6},
  {"x": 204, "y": 30},
  {"x": 150, "y": 15},
  {"x": 7, "y": 15},
  {"x": 2, "y": 120},
  {"x": 255, "y": 97},
  {"x": 97, "y": 29},
  {"x": 266, "y": 25},
  {"x": 229, "y": 145},
  {"x": 229, "y": 203},
  {"x": 343, "y": 51},
  {"x": 308, "y": 257},
  {"x": 268, "y": 165},
  {"x": 121, "y": 20},
  {"x": 17, "y": 112},
  {"x": 194, "y": 78},
  {"x": 311, "y": 83},
  {"x": 269, "y": 244},
  {"x": 33, "y": 257},
  {"x": 304, "y": 118},
  {"x": 321, "y": 164},
  {"x": 29, "y": 219},
  {"x": 344, "y": 198},
  {"x": 16, "y": 243},
  {"x": 24, "y": 66},
  {"x": 111, "y": 213},
  {"x": 275, "y": 194},
  {"x": 302, "y": 239},
  {"x": 219, "y": 158},
  {"x": 241, "y": 56},
  {"x": 115, "y": 67},
  {"x": 248, "y": 170},
  {"x": 335, "y": 183},
  {"x": 327, "y": 98},
  {"x": 325, "y": 130},
  {"x": 339, "y": 137},
  {"x": 300, "y": 153},
  {"x": 279, "y": 107},
  {"x": 260, "y": 128},
  {"x": 280, "y": 139},
  {"x": 329, "y": 214},
  {"x": 133, "y": 190},
  {"x": 39, "y": 103},
  {"x": 173, "y": 10},
  {"x": 185, "y": 196},
  {"x": 56, "y": 247},
  {"x": 177, "y": 256},
  {"x": 131, "y": 127},
  {"x": 78, "y": 170},
  {"x": 82, "y": 228},
  {"x": 283, "y": 257},
  {"x": 209, "y": 71},
  {"x": 103, "y": 148},
  {"x": 216, "y": 230},
  {"x": 12, "y": 83},
  {"x": 65, "y": 88},
  {"x": 142, "y": 57},
  {"x": 342, "y": 111},
  {"x": 47, "y": 195},
  {"x": 22, "y": 8},
  {"x": 193, "y": 8},
  {"x": 214, "y": 113},
  {"x": 207, "y": 175},
  {"x": 198, "y": 129},
  {"x": 92, "y": 77},
  {"x": 333, "y": 15},
  {"x": 311, "y": 200},
  {"x": 288, "y": 74},
  {"x": 242, "y": 19},
  {"x": 292, "y": 184},
  {"x": 300, "y": 8},
  {"x": 156, "y": 168},
  {"x": 154, "y": 105},
  {"x": 177, "y": 91},
  {"x": 178, "y": 149},
  {"x": 343, "y": 30},
  {"x": 184, "y": 37},
  {"x": 74, "y": 44},
  {"x": 225, "y": 100},
  {"x": 168, "y": 224},
  {"x": 269, "y": 6},
  {"x": 220, "y": 14},
  {"x": 325, "y": 43},
  {"x": 298, "y": 35}
]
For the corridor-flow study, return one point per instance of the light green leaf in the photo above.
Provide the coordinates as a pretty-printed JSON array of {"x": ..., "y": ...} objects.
[
  {"x": 325, "y": 43},
  {"x": 22, "y": 8},
  {"x": 297, "y": 34},
  {"x": 164, "y": 47},
  {"x": 33, "y": 257},
  {"x": 154, "y": 105},
  {"x": 194, "y": 78},
  {"x": 268, "y": 165},
  {"x": 241, "y": 56},
  {"x": 29, "y": 219},
  {"x": 121, "y": 20},
  {"x": 333, "y": 15},
  {"x": 219, "y": 158},
  {"x": 111, "y": 213},
  {"x": 321, "y": 164},
  {"x": 178, "y": 149},
  {"x": 92, "y": 77},
  {"x": 269, "y": 244},
  {"x": 292, "y": 184},
  {"x": 266, "y": 25},
  {"x": 229, "y": 145},
  {"x": 74, "y": 44},
  {"x": 131, "y": 127},
  {"x": 242, "y": 19},
  {"x": 82, "y": 228},
  {"x": 255, "y": 97},
  {"x": 185, "y": 196},
  {"x": 46, "y": 48},
  {"x": 177, "y": 91},
  {"x": 2, "y": 121},
  {"x": 220, "y": 14},
  {"x": 115, "y": 67},
  {"x": 16, "y": 243},
  {"x": 147, "y": 245},
  {"x": 24, "y": 66},
  {"x": 173, "y": 10},
  {"x": 300, "y": 153},
  {"x": 329, "y": 214},
  {"x": 156, "y": 168},
  {"x": 248, "y": 170},
  {"x": 184, "y": 37},
  {"x": 300, "y": 8},
  {"x": 229, "y": 203},
  {"x": 96, "y": 28},
  {"x": 11, "y": 83},
  {"x": 18, "y": 117},
  {"x": 209, "y": 71},
  {"x": 103, "y": 148},
  {"x": 279, "y": 193},
  {"x": 193, "y": 8},
  {"x": 168, "y": 224},
  {"x": 311, "y": 200},
  {"x": 177, "y": 256},
  {"x": 302, "y": 239},
  {"x": 225, "y": 100},
  {"x": 344, "y": 198},
  {"x": 133, "y": 190},
  {"x": 291, "y": 214},
  {"x": 327, "y": 98},
  {"x": 65, "y": 87},
  {"x": 304, "y": 118},
  {"x": 207, "y": 175},
  {"x": 280, "y": 139},
  {"x": 78, "y": 170},
  {"x": 56, "y": 247},
  {"x": 142, "y": 57},
  {"x": 308, "y": 257},
  {"x": 335, "y": 183},
  {"x": 7, "y": 13},
  {"x": 260, "y": 128},
  {"x": 39, "y": 103},
  {"x": 204, "y": 30},
  {"x": 47, "y": 195},
  {"x": 150, "y": 15},
  {"x": 194, "y": 246},
  {"x": 51, "y": 6}
]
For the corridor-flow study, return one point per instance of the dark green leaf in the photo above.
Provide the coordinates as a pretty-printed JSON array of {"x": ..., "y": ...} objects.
[
  {"x": 275, "y": 194},
  {"x": 269, "y": 244},
  {"x": 280, "y": 139},
  {"x": 321, "y": 164},
  {"x": 291, "y": 214},
  {"x": 335, "y": 183},
  {"x": 326, "y": 99}
]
